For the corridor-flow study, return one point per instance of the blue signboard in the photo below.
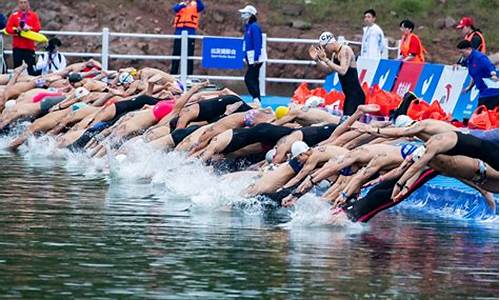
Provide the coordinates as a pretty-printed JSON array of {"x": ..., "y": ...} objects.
[
  {"x": 387, "y": 73},
  {"x": 428, "y": 81},
  {"x": 223, "y": 53},
  {"x": 332, "y": 82}
]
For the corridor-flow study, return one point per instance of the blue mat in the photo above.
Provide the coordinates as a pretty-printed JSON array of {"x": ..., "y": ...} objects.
[{"x": 272, "y": 101}]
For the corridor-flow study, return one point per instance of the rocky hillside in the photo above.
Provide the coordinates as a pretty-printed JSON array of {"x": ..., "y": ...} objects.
[{"x": 279, "y": 18}]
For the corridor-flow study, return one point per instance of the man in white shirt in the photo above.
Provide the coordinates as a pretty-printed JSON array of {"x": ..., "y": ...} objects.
[{"x": 373, "y": 44}]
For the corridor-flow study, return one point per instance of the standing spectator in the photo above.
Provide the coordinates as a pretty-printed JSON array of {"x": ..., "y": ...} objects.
[
  {"x": 411, "y": 46},
  {"x": 23, "y": 19},
  {"x": 254, "y": 54},
  {"x": 372, "y": 45},
  {"x": 51, "y": 61},
  {"x": 473, "y": 35},
  {"x": 480, "y": 69},
  {"x": 186, "y": 18},
  {"x": 3, "y": 66}
]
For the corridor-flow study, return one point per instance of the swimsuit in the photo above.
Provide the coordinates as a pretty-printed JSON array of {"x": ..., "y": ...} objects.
[
  {"x": 47, "y": 103},
  {"x": 124, "y": 107},
  {"x": 314, "y": 135},
  {"x": 179, "y": 135},
  {"x": 264, "y": 133},
  {"x": 473, "y": 147}
]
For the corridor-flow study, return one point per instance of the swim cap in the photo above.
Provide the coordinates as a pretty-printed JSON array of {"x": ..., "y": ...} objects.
[
  {"x": 121, "y": 157},
  {"x": 125, "y": 78},
  {"x": 133, "y": 72},
  {"x": 10, "y": 104},
  {"x": 74, "y": 77},
  {"x": 326, "y": 38},
  {"x": 270, "y": 155},
  {"x": 314, "y": 101},
  {"x": 52, "y": 89},
  {"x": 418, "y": 153},
  {"x": 281, "y": 111},
  {"x": 408, "y": 149},
  {"x": 81, "y": 92},
  {"x": 347, "y": 171},
  {"x": 40, "y": 83},
  {"x": 78, "y": 106},
  {"x": 299, "y": 148},
  {"x": 403, "y": 121},
  {"x": 180, "y": 85}
]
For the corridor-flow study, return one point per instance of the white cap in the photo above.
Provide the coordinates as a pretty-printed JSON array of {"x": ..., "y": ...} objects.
[
  {"x": 298, "y": 148},
  {"x": 326, "y": 38},
  {"x": 314, "y": 101},
  {"x": 403, "y": 121},
  {"x": 270, "y": 155},
  {"x": 81, "y": 92},
  {"x": 125, "y": 78},
  {"x": 418, "y": 153},
  {"x": 10, "y": 104},
  {"x": 249, "y": 9}
]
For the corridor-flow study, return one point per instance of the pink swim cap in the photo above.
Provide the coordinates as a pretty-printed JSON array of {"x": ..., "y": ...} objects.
[{"x": 162, "y": 109}]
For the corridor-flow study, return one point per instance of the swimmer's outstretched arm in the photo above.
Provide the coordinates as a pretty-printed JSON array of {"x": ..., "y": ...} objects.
[
  {"x": 402, "y": 187},
  {"x": 290, "y": 117},
  {"x": 394, "y": 132}
]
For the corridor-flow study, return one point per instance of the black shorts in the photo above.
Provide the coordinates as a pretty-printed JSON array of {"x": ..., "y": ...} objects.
[
  {"x": 314, "y": 135},
  {"x": 179, "y": 135},
  {"x": 379, "y": 198},
  {"x": 124, "y": 107},
  {"x": 214, "y": 108}
]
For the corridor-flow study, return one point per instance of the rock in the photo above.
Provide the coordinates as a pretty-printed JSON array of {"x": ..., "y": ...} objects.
[
  {"x": 494, "y": 58},
  {"x": 157, "y": 30},
  {"x": 138, "y": 19},
  {"x": 302, "y": 25},
  {"x": 393, "y": 13},
  {"x": 436, "y": 40},
  {"x": 218, "y": 18},
  {"x": 449, "y": 22},
  {"x": 52, "y": 25},
  {"x": 421, "y": 27},
  {"x": 439, "y": 23},
  {"x": 292, "y": 10}
]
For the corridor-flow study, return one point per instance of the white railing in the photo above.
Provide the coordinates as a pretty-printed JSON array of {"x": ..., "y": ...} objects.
[{"x": 105, "y": 55}]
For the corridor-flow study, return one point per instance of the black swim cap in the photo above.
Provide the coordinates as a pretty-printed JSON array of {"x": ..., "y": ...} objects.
[{"x": 74, "y": 77}]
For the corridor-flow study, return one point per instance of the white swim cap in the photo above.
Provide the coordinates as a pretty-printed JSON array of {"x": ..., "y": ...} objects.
[
  {"x": 10, "y": 104},
  {"x": 403, "y": 121},
  {"x": 418, "y": 153},
  {"x": 270, "y": 155},
  {"x": 298, "y": 148},
  {"x": 125, "y": 78},
  {"x": 326, "y": 38},
  {"x": 81, "y": 92},
  {"x": 314, "y": 101},
  {"x": 121, "y": 157}
]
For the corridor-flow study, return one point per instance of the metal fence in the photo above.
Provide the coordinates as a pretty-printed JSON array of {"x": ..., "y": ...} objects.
[{"x": 105, "y": 55}]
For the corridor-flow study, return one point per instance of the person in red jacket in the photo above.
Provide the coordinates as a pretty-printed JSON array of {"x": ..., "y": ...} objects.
[{"x": 23, "y": 19}]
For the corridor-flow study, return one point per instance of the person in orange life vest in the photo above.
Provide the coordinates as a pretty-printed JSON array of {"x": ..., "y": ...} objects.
[
  {"x": 186, "y": 18},
  {"x": 23, "y": 19},
  {"x": 411, "y": 46},
  {"x": 473, "y": 35}
]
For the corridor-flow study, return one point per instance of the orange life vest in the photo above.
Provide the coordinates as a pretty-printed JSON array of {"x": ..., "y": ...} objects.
[
  {"x": 405, "y": 48},
  {"x": 187, "y": 17},
  {"x": 482, "y": 47}
]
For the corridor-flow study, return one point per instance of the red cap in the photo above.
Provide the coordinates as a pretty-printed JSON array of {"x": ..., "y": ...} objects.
[{"x": 465, "y": 21}]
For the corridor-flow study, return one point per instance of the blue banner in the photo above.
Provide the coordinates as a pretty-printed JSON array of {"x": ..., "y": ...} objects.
[
  {"x": 428, "y": 81},
  {"x": 387, "y": 73},
  {"x": 223, "y": 53},
  {"x": 332, "y": 82}
]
